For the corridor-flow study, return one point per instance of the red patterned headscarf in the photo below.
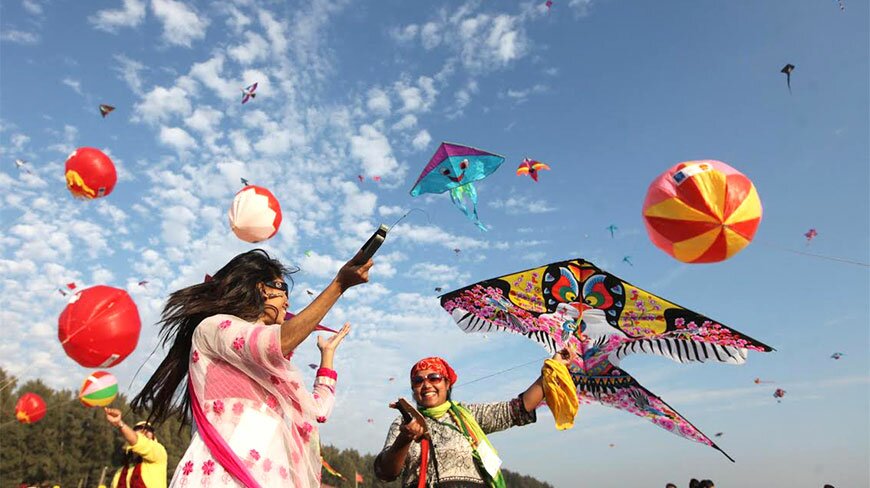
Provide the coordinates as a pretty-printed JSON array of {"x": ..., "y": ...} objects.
[{"x": 438, "y": 365}]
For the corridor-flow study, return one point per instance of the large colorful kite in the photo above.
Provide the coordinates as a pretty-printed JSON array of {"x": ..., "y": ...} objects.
[
  {"x": 455, "y": 167},
  {"x": 601, "y": 319}
]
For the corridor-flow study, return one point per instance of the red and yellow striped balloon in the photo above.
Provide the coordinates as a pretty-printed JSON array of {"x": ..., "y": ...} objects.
[{"x": 702, "y": 211}]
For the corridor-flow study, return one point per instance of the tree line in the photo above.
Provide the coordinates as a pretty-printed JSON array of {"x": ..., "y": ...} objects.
[{"x": 72, "y": 444}]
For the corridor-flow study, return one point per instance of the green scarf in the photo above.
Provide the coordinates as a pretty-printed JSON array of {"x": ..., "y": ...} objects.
[{"x": 471, "y": 430}]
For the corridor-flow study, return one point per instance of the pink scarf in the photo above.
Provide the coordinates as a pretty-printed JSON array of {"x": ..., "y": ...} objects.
[{"x": 220, "y": 450}]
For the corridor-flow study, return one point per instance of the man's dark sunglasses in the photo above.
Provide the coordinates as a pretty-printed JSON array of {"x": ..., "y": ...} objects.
[{"x": 434, "y": 378}]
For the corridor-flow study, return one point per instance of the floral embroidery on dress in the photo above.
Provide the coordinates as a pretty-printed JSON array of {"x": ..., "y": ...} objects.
[
  {"x": 226, "y": 323},
  {"x": 238, "y": 343},
  {"x": 254, "y": 454},
  {"x": 195, "y": 356},
  {"x": 188, "y": 468},
  {"x": 283, "y": 472},
  {"x": 238, "y": 408},
  {"x": 271, "y": 401},
  {"x": 274, "y": 379},
  {"x": 305, "y": 431},
  {"x": 267, "y": 465},
  {"x": 218, "y": 407},
  {"x": 208, "y": 467}
]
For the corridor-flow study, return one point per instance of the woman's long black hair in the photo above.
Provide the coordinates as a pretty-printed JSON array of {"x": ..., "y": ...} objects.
[{"x": 233, "y": 290}]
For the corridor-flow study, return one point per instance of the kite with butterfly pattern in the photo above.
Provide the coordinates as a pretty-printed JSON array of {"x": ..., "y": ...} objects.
[{"x": 601, "y": 319}]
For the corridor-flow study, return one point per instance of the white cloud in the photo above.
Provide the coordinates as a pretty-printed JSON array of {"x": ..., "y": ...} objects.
[
  {"x": 204, "y": 120},
  {"x": 19, "y": 37},
  {"x": 430, "y": 35},
  {"x": 161, "y": 103},
  {"x": 581, "y": 7},
  {"x": 521, "y": 205},
  {"x": 209, "y": 73},
  {"x": 32, "y": 6},
  {"x": 437, "y": 273},
  {"x": 181, "y": 23},
  {"x": 521, "y": 96},
  {"x": 76, "y": 85},
  {"x": 418, "y": 97},
  {"x": 421, "y": 140},
  {"x": 129, "y": 71},
  {"x": 406, "y": 34},
  {"x": 131, "y": 14},
  {"x": 379, "y": 102},
  {"x": 177, "y": 138},
  {"x": 408, "y": 121},
  {"x": 372, "y": 149},
  {"x": 255, "y": 49}
]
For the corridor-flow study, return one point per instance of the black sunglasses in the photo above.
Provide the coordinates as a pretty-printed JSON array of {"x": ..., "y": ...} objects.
[
  {"x": 278, "y": 285},
  {"x": 434, "y": 378}
]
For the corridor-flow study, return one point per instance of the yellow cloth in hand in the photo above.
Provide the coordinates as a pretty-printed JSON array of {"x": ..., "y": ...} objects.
[{"x": 560, "y": 393}]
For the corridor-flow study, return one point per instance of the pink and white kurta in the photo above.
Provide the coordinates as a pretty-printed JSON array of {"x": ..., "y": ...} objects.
[{"x": 254, "y": 398}]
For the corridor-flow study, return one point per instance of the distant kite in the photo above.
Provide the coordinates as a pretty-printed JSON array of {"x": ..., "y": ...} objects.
[
  {"x": 627, "y": 259},
  {"x": 612, "y": 228},
  {"x": 759, "y": 381},
  {"x": 778, "y": 394},
  {"x": 837, "y": 355},
  {"x": 438, "y": 289},
  {"x": 787, "y": 69},
  {"x": 143, "y": 283},
  {"x": 531, "y": 167},
  {"x": 810, "y": 234},
  {"x": 244, "y": 182},
  {"x": 248, "y": 93},
  {"x": 361, "y": 178},
  {"x": 105, "y": 110},
  {"x": 548, "y": 4},
  {"x": 22, "y": 165}
]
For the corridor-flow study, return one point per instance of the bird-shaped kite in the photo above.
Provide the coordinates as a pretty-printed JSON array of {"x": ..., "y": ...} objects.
[
  {"x": 22, "y": 165},
  {"x": 531, "y": 167},
  {"x": 361, "y": 178},
  {"x": 627, "y": 259},
  {"x": 438, "y": 289},
  {"x": 810, "y": 234},
  {"x": 837, "y": 355},
  {"x": 612, "y": 228},
  {"x": 718, "y": 434},
  {"x": 105, "y": 110},
  {"x": 607, "y": 319},
  {"x": 143, "y": 283},
  {"x": 778, "y": 394},
  {"x": 248, "y": 93},
  {"x": 787, "y": 69},
  {"x": 244, "y": 182},
  {"x": 456, "y": 251},
  {"x": 455, "y": 168}
]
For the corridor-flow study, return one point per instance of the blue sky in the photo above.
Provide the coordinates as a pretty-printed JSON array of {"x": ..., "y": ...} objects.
[{"x": 610, "y": 93}]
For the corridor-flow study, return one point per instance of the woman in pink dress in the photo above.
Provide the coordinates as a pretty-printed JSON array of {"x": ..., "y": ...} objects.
[{"x": 230, "y": 347}]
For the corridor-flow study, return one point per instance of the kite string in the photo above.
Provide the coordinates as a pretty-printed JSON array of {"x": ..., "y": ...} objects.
[
  {"x": 501, "y": 372},
  {"x": 429, "y": 219},
  {"x": 814, "y": 255}
]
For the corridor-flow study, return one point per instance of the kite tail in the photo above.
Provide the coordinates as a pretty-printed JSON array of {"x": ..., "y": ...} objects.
[{"x": 457, "y": 196}]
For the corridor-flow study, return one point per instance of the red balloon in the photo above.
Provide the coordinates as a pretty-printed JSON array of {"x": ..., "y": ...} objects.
[
  {"x": 99, "y": 327},
  {"x": 90, "y": 173},
  {"x": 30, "y": 408}
]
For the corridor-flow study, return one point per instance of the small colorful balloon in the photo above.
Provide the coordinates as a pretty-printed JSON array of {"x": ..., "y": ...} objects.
[
  {"x": 99, "y": 389},
  {"x": 255, "y": 214},
  {"x": 30, "y": 408},
  {"x": 90, "y": 173}
]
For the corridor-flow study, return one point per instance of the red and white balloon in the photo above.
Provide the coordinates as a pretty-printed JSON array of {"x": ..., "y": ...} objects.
[
  {"x": 255, "y": 215},
  {"x": 90, "y": 173},
  {"x": 99, "y": 327}
]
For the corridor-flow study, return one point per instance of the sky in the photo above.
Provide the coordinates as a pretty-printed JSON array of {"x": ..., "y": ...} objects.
[{"x": 609, "y": 93}]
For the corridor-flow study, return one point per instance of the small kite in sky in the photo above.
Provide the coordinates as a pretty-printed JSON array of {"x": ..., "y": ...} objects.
[
  {"x": 371, "y": 421},
  {"x": 457, "y": 250},
  {"x": 376, "y": 179},
  {"x": 810, "y": 234},
  {"x": 106, "y": 110},
  {"x": 312, "y": 365},
  {"x": 627, "y": 259},
  {"x": 361, "y": 178},
  {"x": 718, "y": 434},
  {"x": 309, "y": 292},
  {"x": 842, "y": 5},
  {"x": 454, "y": 168},
  {"x": 438, "y": 289},
  {"x": 778, "y": 394},
  {"x": 612, "y": 228},
  {"x": 308, "y": 253},
  {"x": 759, "y": 381},
  {"x": 60, "y": 290},
  {"x": 244, "y": 182},
  {"x": 531, "y": 167},
  {"x": 71, "y": 285},
  {"x": 391, "y": 378},
  {"x": 143, "y": 283},
  {"x": 837, "y": 355},
  {"x": 548, "y": 4},
  {"x": 787, "y": 69},
  {"x": 22, "y": 165},
  {"x": 248, "y": 93}
]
